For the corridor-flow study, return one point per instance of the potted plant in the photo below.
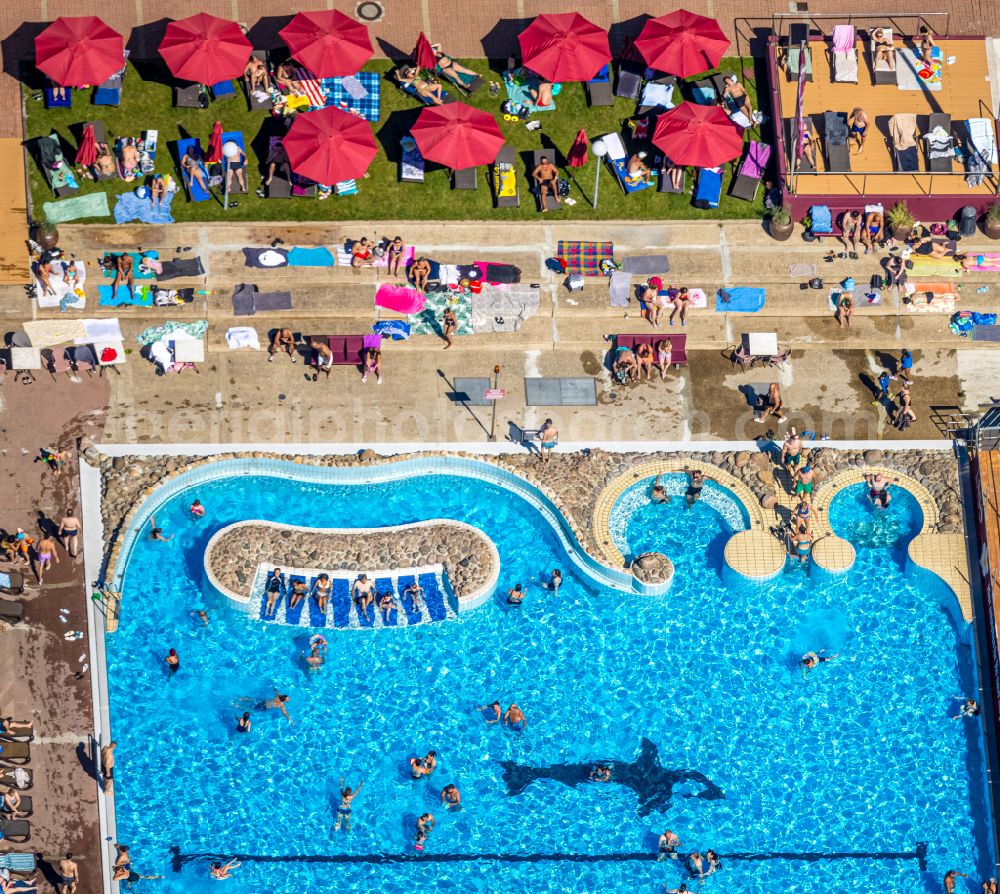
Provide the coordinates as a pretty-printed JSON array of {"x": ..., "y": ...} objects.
[
  {"x": 47, "y": 235},
  {"x": 780, "y": 224},
  {"x": 991, "y": 221},
  {"x": 900, "y": 221}
]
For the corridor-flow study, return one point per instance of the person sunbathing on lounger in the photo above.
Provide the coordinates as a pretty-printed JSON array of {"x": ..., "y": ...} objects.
[
  {"x": 873, "y": 233},
  {"x": 104, "y": 164},
  {"x": 363, "y": 593},
  {"x": 735, "y": 98},
  {"x": 409, "y": 77},
  {"x": 420, "y": 271},
  {"x": 638, "y": 169},
  {"x": 278, "y": 158},
  {"x": 676, "y": 175},
  {"x": 236, "y": 167},
  {"x": 256, "y": 75},
  {"x": 546, "y": 175},
  {"x": 449, "y": 67},
  {"x": 809, "y": 147},
  {"x": 884, "y": 51},
  {"x": 284, "y": 76},
  {"x": 124, "y": 272},
  {"x": 191, "y": 164},
  {"x": 58, "y": 91},
  {"x": 858, "y": 121},
  {"x": 130, "y": 160}
]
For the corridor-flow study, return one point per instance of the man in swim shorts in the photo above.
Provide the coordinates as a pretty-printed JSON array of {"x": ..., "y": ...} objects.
[
  {"x": 549, "y": 437},
  {"x": 414, "y": 591},
  {"x": 514, "y": 718},
  {"x": 279, "y": 701},
  {"x": 696, "y": 481},
  {"x": 791, "y": 450},
  {"x": 667, "y": 846},
  {"x": 878, "y": 489},
  {"x": 451, "y": 798},
  {"x": 805, "y": 480},
  {"x": 363, "y": 593},
  {"x": 69, "y": 875}
]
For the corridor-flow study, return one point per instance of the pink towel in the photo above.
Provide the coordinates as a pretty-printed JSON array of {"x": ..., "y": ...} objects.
[
  {"x": 408, "y": 254},
  {"x": 400, "y": 299},
  {"x": 373, "y": 340},
  {"x": 843, "y": 38}
]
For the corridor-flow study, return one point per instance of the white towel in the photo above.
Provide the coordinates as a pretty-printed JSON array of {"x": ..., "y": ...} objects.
[
  {"x": 658, "y": 95},
  {"x": 243, "y": 337},
  {"x": 101, "y": 330}
]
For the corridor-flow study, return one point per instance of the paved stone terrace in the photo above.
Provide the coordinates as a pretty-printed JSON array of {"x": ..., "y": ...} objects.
[{"x": 469, "y": 558}]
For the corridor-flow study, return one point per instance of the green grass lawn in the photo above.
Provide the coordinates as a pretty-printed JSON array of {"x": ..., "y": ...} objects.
[{"x": 149, "y": 105}]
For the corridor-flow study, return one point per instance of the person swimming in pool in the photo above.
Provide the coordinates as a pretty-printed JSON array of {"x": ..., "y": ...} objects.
[
  {"x": 514, "y": 718},
  {"x": 600, "y": 773},
  {"x": 812, "y": 660},
  {"x": 451, "y": 797},
  {"x": 969, "y": 707},
  {"x": 425, "y": 824},
  {"x": 417, "y": 768},
  {"x": 555, "y": 581},
  {"x": 196, "y": 509},
  {"x": 279, "y": 702},
  {"x": 363, "y": 593},
  {"x": 516, "y": 595},
  {"x": 659, "y": 494},
  {"x": 244, "y": 723},
  {"x": 315, "y": 658},
  {"x": 696, "y": 481},
  {"x": 491, "y": 713},
  {"x": 156, "y": 533},
  {"x": 221, "y": 871},
  {"x": 667, "y": 846},
  {"x": 347, "y": 797},
  {"x": 878, "y": 490}
]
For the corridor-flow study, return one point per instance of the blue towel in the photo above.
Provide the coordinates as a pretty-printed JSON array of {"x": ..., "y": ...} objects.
[
  {"x": 310, "y": 257},
  {"x": 130, "y": 207},
  {"x": 142, "y": 296},
  {"x": 395, "y": 329},
  {"x": 742, "y": 299}
]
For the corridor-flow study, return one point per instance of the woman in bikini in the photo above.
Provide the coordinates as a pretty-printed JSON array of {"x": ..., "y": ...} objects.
[
  {"x": 450, "y": 322},
  {"x": 191, "y": 163},
  {"x": 409, "y": 77},
  {"x": 256, "y": 75},
  {"x": 858, "y": 121},
  {"x": 373, "y": 364},
  {"x": 845, "y": 308},
  {"x": 884, "y": 51},
  {"x": 650, "y": 297},
  {"x": 157, "y": 190},
  {"x": 284, "y": 76},
  {"x": 395, "y": 255},
  {"x": 926, "y": 45},
  {"x": 449, "y": 67},
  {"x": 681, "y": 301}
]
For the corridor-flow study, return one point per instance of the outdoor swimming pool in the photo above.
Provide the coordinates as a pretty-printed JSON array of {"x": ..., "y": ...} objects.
[{"x": 857, "y": 762}]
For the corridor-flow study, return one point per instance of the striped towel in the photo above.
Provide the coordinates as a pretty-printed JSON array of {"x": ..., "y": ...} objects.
[
  {"x": 17, "y": 862},
  {"x": 311, "y": 87}
]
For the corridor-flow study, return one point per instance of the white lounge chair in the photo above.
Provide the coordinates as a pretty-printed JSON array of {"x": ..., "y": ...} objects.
[
  {"x": 845, "y": 55},
  {"x": 883, "y": 70}
]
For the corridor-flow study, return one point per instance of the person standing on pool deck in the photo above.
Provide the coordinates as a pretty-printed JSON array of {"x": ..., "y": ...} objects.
[
  {"x": 905, "y": 367},
  {"x": 696, "y": 480},
  {"x": 491, "y": 713},
  {"x": 549, "y": 437},
  {"x": 805, "y": 480},
  {"x": 173, "y": 661},
  {"x": 347, "y": 796},
  {"x": 108, "y": 764},
  {"x": 791, "y": 450},
  {"x": 949, "y": 880},
  {"x": 803, "y": 514},
  {"x": 451, "y": 797},
  {"x": 515, "y": 719},
  {"x": 659, "y": 494},
  {"x": 769, "y": 405},
  {"x": 449, "y": 323},
  {"x": 69, "y": 875},
  {"x": 46, "y": 552},
  {"x": 69, "y": 532}
]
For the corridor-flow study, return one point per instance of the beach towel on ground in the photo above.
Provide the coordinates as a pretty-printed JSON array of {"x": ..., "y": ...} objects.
[
  {"x": 138, "y": 271},
  {"x": 496, "y": 310},
  {"x": 802, "y": 270},
  {"x": 94, "y": 204},
  {"x": 394, "y": 329},
  {"x": 247, "y": 300},
  {"x": 66, "y": 296},
  {"x": 518, "y": 84},
  {"x": 194, "y": 331},
  {"x": 500, "y": 273},
  {"x": 698, "y": 298},
  {"x": 140, "y": 296},
  {"x": 400, "y": 299},
  {"x": 620, "y": 287},
  {"x": 343, "y": 93},
  {"x": 404, "y": 262},
  {"x": 265, "y": 258},
  {"x": 180, "y": 267},
  {"x": 925, "y": 266},
  {"x": 989, "y": 261},
  {"x": 646, "y": 264},
  {"x": 740, "y": 299},
  {"x": 311, "y": 87},
  {"x": 310, "y": 257},
  {"x": 242, "y": 337},
  {"x": 428, "y": 321},
  {"x": 862, "y": 296},
  {"x": 130, "y": 207},
  {"x": 932, "y": 297},
  {"x": 585, "y": 257}
]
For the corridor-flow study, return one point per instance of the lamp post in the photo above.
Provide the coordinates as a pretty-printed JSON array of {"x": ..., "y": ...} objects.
[
  {"x": 599, "y": 150},
  {"x": 493, "y": 420},
  {"x": 230, "y": 152}
]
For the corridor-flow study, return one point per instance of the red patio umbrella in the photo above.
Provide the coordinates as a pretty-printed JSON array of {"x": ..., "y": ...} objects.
[
  {"x": 328, "y": 43},
  {"x": 77, "y": 51},
  {"x": 564, "y": 47},
  {"x": 577, "y": 155},
  {"x": 86, "y": 152},
  {"x": 205, "y": 49},
  {"x": 215, "y": 143},
  {"x": 423, "y": 55},
  {"x": 329, "y": 145},
  {"x": 682, "y": 43},
  {"x": 698, "y": 135},
  {"x": 457, "y": 136}
]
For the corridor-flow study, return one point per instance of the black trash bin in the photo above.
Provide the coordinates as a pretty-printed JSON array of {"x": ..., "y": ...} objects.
[{"x": 967, "y": 221}]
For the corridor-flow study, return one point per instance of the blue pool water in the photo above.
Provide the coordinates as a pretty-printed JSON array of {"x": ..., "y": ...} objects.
[{"x": 859, "y": 758}]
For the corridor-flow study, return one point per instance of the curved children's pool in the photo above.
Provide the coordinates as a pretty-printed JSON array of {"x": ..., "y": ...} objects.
[{"x": 858, "y": 762}]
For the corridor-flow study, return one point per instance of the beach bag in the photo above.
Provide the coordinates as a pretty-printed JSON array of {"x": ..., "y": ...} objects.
[
  {"x": 877, "y": 282},
  {"x": 562, "y": 187},
  {"x": 816, "y": 283}
]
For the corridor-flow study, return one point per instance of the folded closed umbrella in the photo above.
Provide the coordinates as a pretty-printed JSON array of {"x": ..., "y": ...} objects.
[
  {"x": 86, "y": 152},
  {"x": 698, "y": 135},
  {"x": 423, "y": 54},
  {"x": 682, "y": 43},
  {"x": 78, "y": 51},
  {"x": 205, "y": 49},
  {"x": 328, "y": 43},
  {"x": 215, "y": 144},
  {"x": 564, "y": 47},
  {"x": 577, "y": 155},
  {"x": 457, "y": 135},
  {"x": 329, "y": 145}
]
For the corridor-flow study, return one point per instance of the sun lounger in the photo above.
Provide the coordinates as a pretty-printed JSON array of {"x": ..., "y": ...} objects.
[
  {"x": 223, "y": 90},
  {"x": 678, "y": 344},
  {"x": 835, "y": 132},
  {"x": 465, "y": 82},
  {"x": 703, "y": 92},
  {"x": 411, "y": 162},
  {"x": 883, "y": 71},
  {"x": 465, "y": 178},
  {"x": 599, "y": 92},
  {"x": 410, "y": 90},
  {"x": 11, "y": 583},
  {"x": 280, "y": 186},
  {"x": 751, "y": 171},
  {"x": 189, "y": 96},
  {"x": 658, "y": 94},
  {"x": 798, "y": 34},
  {"x": 110, "y": 92},
  {"x": 550, "y": 203},
  {"x": 939, "y": 143},
  {"x": 20, "y": 778},
  {"x": 253, "y": 103},
  {"x": 26, "y": 809},
  {"x": 617, "y": 159},
  {"x": 903, "y": 135},
  {"x": 629, "y": 80},
  {"x": 65, "y": 102},
  {"x": 15, "y": 830},
  {"x": 505, "y": 188},
  {"x": 54, "y": 166},
  {"x": 665, "y": 184},
  {"x": 14, "y": 752},
  {"x": 236, "y": 136},
  {"x": 709, "y": 188},
  {"x": 980, "y": 149},
  {"x": 844, "y": 55},
  {"x": 195, "y": 191}
]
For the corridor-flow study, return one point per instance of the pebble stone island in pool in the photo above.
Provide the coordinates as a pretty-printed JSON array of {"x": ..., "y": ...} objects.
[{"x": 695, "y": 700}]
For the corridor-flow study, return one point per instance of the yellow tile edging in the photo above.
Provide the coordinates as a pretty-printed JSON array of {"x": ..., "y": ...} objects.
[
  {"x": 601, "y": 520},
  {"x": 756, "y": 554}
]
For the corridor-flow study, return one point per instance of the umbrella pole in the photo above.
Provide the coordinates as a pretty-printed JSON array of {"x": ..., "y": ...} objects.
[{"x": 597, "y": 182}]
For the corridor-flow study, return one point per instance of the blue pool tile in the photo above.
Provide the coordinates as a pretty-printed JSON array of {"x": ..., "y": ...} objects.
[
  {"x": 433, "y": 597},
  {"x": 413, "y": 614}
]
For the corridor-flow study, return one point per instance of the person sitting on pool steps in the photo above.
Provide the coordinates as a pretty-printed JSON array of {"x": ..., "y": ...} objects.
[
  {"x": 363, "y": 593},
  {"x": 658, "y": 493}
]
